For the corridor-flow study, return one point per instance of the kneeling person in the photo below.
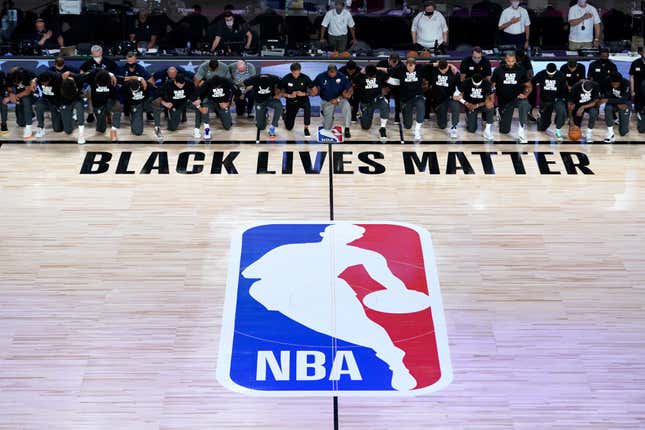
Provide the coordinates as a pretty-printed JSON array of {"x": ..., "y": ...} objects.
[
  {"x": 476, "y": 94},
  {"x": 295, "y": 87},
  {"x": 267, "y": 96},
  {"x": 71, "y": 106},
  {"x": 585, "y": 97},
  {"x": 443, "y": 83},
  {"x": 616, "y": 96},
  {"x": 176, "y": 95},
  {"x": 49, "y": 101},
  {"x": 553, "y": 96},
  {"x": 370, "y": 89},
  {"x": 138, "y": 96},
  {"x": 215, "y": 95},
  {"x": 105, "y": 100},
  {"x": 410, "y": 83},
  {"x": 512, "y": 86}
]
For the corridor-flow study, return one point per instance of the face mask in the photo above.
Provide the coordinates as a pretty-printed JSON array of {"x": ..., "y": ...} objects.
[
  {"x": 339, "y": 10},
  {"x": 429, "y": 13},
  {"x": 604, "y": 61},
  {"x": 582, "y": 3},
  {"x": 97, "y": 59},
  {"x": 515, "y": 4},
  {"x": 571, "y": 64},
  {"x": 477, "y": 60},
  {"x": 229, "y": 24}
]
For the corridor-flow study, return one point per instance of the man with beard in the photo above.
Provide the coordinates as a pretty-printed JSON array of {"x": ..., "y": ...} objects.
[
  {"x": 334, "y": 89},
  {"x": 616, "y": 97},
  {"x": 266, "y": 96},
  {"x": 49, "y": 101},
  {"x": 105, "y": 100},
  {"x": 369, "y": 87},
  {"x": 296, "y": 87},
  {"x": 476, "y": 94},
  {"x": 350, "y": 69},
  {"x": 512, "y": 86},
  {"x": 71, "y": 106},
  {"x": 140, "y": 98},
  {"x": 476, "y": 63},
  {"x": 600, "y": 70},
  {"x": 585, "y": 98},
  {"x": 573, "y": 72},
  {"x": 410, "y": 85},
  {"x": 443, "y": 83},
  {"x": 215, "y": 95},
  {"x": 553, "y": 98}
]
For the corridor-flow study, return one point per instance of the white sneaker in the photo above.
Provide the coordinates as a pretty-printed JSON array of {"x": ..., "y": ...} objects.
[
  {"x": 611, "y": 137},
  {"x": 589, "y": 136},
  {"x": 40, "y": 133},
  {"x": 417, "y": 135},
  {"x": 26, "y": 134},
  {"x": 207, "y": 132},
  {"x": 521, "y": 135},
  {"x": 488, "y": 134},
  {"x": 196, "y": 133},
  {"x": 453, "y": 133},
  {"x": 81, "y": 138}
]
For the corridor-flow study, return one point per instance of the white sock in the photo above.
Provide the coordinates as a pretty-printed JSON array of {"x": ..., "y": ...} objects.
[
  {"x": 81, "y": 129},
  {"x": 114, "y": 128},
  {"x": 610, "y": 130},
  {"x": 417, "y": 126},
  {"x": 207, "y": 126},
  {"x": 383, "y": 122},
  {"x": 520, "y": 128},
  {"x": 488, "y": 126},
  {"x": 557, "y": 129}
]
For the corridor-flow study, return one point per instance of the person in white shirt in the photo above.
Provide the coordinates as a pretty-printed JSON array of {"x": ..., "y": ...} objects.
[
  {"x": 335, "y": 23},
  {"x": 429, "y": 28},
  {"x": 514, "y": 23},
  {"x": 584, "y": 26}
]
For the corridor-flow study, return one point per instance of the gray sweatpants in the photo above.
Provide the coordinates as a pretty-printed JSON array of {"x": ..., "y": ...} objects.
[
  {"x": 623, "y": 118},
  {"x": 546, "y": 112},
  {"x": 136, "y": 115},
  {"x": 101, "y": 112},
  {"x": 67, "y": 113},
  {"x": 367, "y": 111},
  {"x": 471, "y": 117},
  {"x": 523, "y": 107},
  {"x": 416, "y": 104},
  {"x": 43, "y": 105},
  {"x": 223, "y": 114},
  {"x": 328, "y": 109},
  {"x": 261, "y": 112}
]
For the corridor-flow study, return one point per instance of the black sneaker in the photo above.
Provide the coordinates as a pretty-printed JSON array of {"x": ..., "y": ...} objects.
[
  {"x": 149, "y": 116},
  {"x": 347, "y": 133},
  {"x": 3, "y": 128},
  {"x": 250, "y": 116},
  {"x": 307, "y": 132},
  {"x": 382, "y": 133},
  {"x": 90, "y": 117},
  {"x": 184, "y": 118}
]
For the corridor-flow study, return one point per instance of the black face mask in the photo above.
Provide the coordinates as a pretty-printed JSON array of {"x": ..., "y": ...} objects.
[
  {"x": 572, "y": 65},
  {"x": 429, "y": 13}
]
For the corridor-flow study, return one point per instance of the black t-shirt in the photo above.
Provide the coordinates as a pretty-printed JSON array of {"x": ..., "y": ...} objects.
[
  {"x": 509, "y": 82},
  {"x": 476, "y": 93},
  {"x": 105, "y": 63},
  {"x": 263, "y": 86},
  {"x": 3, "y": 83},
  {"x": 143, "y": 31},
  {"x": 600, "y": 70},
  {"x": 580, "y": 97},
  {"x": 344, "y": 71},
  {"x": 51, "y": 43},
  {"x": 179, "y": 97},
  {"x": 620, "y": 95},
  {"x": 135, "y": 97},
  {"x": 236, "y": 34},
  {"x": 100, "y": 93},
  {"x": 572, "y": 77},
  {"x": 442, "y": 85},
  {"x": 77, "y": 93},
  {"x": 289, "y": 84},
  {"x": 50, "y": 91},
  {"x": 410, "y": 83},
  {"x": 551, "y": 87},
  {"x": 64, "y": 69},
  {"x": 369, "y": 88},
  {"x": 20, "y": 79},
  {"x": 468, "y": 67},
  {"x": 217, "y": 90},
  {"x": 637, "y": 69}
]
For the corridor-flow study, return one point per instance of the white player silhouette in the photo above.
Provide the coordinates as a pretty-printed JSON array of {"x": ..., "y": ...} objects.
[{"x": 301, "y": 281}]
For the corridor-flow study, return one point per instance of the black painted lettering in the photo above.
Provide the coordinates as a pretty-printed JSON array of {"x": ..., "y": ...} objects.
[
  {"x": 263, "y": 164},
  {"x": 99, "y": 159},
  {"x": 184, "y": 159},
  {"x": 339, "y": 162},
  {"x": 518, "y": 163},
  {"x": 287, "y": 163},
  {"x": 158, "y": 161},
  {"x": 452, "y": 166},
  {"x": 427, "y": 163},
  {"x": 543, "y": 163},
  {"x": 227, "y": 162},
  {"x": 373, "y": 167},
  {"x": 572, "y": 167},
  {"x": 487, "y": 161},
  {"x": 122, "y": 165}
]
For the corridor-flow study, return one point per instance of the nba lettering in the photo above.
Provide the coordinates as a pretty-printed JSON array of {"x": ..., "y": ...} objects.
[
  {"x": 320, "y": 309},
  {"x": 509, "y": 78}
]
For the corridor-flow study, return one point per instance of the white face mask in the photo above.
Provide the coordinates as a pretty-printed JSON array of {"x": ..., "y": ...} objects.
[
  {"x": 515, "y": 4},
  {"x": 582, "y": 3}
]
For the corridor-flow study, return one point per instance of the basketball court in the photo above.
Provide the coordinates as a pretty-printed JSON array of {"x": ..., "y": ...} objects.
[{"x": 113, "y": 285}]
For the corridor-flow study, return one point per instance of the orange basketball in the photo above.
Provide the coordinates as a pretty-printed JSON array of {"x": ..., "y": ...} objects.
[
  {"x": 345, "y": 54},
  {"x": 574, "y": 133},
  {"x": 426, "y": 54},
  {"x": 412, "y": 54},
  {"x": 334, "y": 54}
]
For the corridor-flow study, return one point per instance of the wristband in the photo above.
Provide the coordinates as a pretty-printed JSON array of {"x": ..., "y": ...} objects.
[{"x": 462, "y": 101}]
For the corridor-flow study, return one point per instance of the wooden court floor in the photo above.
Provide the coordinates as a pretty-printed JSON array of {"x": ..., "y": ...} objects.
[{"x": 112, "y": 285}]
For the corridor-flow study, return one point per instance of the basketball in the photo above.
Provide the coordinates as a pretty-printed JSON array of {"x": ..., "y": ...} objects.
[
  {"x": 426, "y": 54},
  {"x": 574, "y": 133},
  {"x": 412, "y": 54}
]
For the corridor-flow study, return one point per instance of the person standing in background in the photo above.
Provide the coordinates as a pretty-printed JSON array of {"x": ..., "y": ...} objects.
[
  {"x": 584, "y": 26},
  {"x": 336, "y": 23},
  {"x": 515, "y": 25},
  {"x": 429, "y": 28}
]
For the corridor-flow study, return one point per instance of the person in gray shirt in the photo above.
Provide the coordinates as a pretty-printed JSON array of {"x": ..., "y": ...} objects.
[
  {"x": 240, "y": 71},
  {"x": 209, "y": 69}
]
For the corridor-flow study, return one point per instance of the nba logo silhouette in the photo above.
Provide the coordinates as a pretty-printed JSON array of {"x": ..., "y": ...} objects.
[
  {"x": 333, "y": 308},
  {"x": 335, "y": 135}
]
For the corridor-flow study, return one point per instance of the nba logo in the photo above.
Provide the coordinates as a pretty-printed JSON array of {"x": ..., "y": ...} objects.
[
  {"x": 335, "y": 135},
  {"x": 333, "y": 308}
]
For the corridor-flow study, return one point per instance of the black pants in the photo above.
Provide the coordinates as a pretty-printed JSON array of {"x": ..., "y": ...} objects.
[
  {"x": 441, "y": 110},
  {"x": 592, "y": 112},
  {"x": 261, "y": 112},
  {"x": 67, "y": 114},
  {"x": 471, "y": 117},
  {"x": 368, "y": 108},
  {"x": 111, "y": 106},
  {"x": 416, "y": 105},
  {"x": 43, "y": 105},
  {"x": 623, "y": 118},
  {"x": 292, "y": 108},
  {"x": 353, "y": 102},
  {"x": 243, "y": 104},
  {"x": 149, "y": 105},
  {"x": 640, "y": 121},
  {"x": 395, "y": 93},
  {"x": 224, "y": 115},
  {"x": 546, "y": 112},
  {"x": 513, "y": 39},
  {"x": 24, "y": 110},
  {"x": 506, "y": 113}
]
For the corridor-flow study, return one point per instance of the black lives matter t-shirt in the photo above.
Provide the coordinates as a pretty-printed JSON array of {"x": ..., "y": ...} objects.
[
  {"x": 218, "y": 90},
  {"x": 551, "y": 87},
  {"x": 509, "y": 82},
  {"x": 581, "y": 97},
  {"x": 620, "y": 95},
  {"x": 369, "y": 87},
  {"x": 263, "y": 86},
  {"x": 410, "y": 83},
  {"x": 179, "y": 97},
  {"x": 442, "y": 84},
  {"x": 289, "y": 84},
  {"x": 476, "y": 93}
]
